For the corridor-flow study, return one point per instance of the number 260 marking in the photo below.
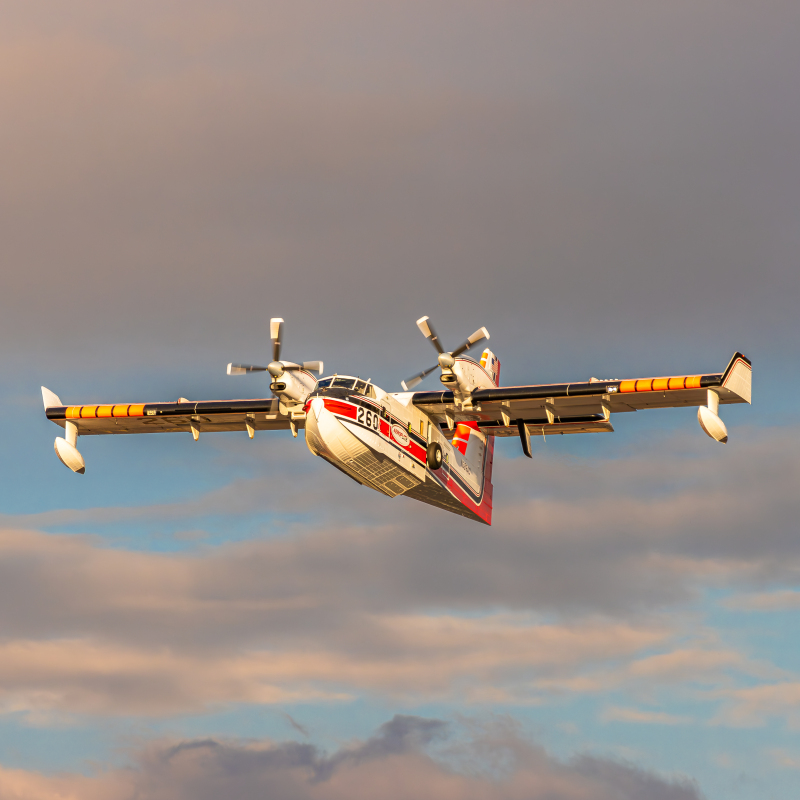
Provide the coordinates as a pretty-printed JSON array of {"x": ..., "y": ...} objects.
[{"x": 369, "y": 418}]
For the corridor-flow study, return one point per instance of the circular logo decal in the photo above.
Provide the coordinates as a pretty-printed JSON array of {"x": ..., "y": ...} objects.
[{"x": 400, "y": 435}]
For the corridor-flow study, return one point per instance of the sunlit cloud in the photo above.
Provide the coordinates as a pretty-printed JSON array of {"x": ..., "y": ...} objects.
[
  {"x": 407, "y": 756},
  {"x": 755, "y": 706},
  {"x": 156, "y": 634},
  {"x": 643, "y": 716},
  {"x": 782, "y": 600}
]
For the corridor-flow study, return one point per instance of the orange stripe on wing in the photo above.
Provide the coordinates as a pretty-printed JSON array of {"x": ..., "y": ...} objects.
[
  {"x": 660, "y": 384},
  {"x": 101, "y": 412}
]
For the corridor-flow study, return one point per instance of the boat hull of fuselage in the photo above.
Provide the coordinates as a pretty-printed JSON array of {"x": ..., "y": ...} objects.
[
  {"x": 383, "y": 456},
  {"x": 360, "y": 450}
]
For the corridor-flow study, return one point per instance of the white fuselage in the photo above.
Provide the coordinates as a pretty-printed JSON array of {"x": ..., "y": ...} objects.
[{"x": 381, "y": 441}]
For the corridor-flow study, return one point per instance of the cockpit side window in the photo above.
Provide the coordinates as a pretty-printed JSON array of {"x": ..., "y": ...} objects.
[
  {"x": 361, "y": 387},
  {"x": 324, "y": 383}
]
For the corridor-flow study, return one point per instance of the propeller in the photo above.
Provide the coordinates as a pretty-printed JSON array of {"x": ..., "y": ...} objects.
[
  {"x": 446, "y": 359},
  {"x": 276, "y": 367}
]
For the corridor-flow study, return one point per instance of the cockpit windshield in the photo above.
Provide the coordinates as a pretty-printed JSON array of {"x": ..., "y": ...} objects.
[{"x": 345, "y": 382}]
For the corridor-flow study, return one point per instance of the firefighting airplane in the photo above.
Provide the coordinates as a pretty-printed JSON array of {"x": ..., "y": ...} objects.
[{"x": 436, "y": 447}]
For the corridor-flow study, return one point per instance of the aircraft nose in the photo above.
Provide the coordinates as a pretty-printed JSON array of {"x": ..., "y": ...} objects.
[{"x": 317, "y": 406}]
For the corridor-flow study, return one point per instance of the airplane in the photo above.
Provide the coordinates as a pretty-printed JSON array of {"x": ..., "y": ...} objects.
[{"x": 432, "y": 446}]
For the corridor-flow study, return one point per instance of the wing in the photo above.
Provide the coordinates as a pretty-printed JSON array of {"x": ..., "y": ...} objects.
[
  {"x": 185, "y": 415},
  {"x": 584, "y": 407}
]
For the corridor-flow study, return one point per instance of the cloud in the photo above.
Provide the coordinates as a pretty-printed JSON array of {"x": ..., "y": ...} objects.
[
  {"x": 181, "y": 172},
  {"x": 487, "y": 662},
  {"x": 754, "y": 706},
  {"x": 404, "y": 758},
  {"x": 570, "y": 592},
  {"x": 640, "y": 534},
  {"x": 783, "y": 600},
  {"x": 638, "y": 715},
  {"x": 301, "y": 729},
  {"x": 687, "y": 665},
  {"x": 94, "y": 630},
  {"x": 702, "y": 668},
  {"x": 784, "y": 758},
  {"x": 277, "y": 142}
]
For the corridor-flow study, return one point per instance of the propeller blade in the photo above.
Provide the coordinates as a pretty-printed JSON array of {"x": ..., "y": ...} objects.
[
  {"x": 476, "y": 337},
  {"x": 241, "y": 369},
  {"x": 276, "y": 334},
  {"x": 424, "y": 324},
  {"x": 409, "y": 383}
]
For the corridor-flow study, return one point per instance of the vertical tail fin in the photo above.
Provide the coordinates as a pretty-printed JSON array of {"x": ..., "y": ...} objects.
[
  {"x": 491, "y": 363},
  {"x": 488, "y": 488},
  {"x": 478, "y": 452}
]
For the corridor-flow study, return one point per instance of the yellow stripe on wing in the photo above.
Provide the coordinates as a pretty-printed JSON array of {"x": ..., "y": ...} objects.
[{"x": 660, "y": 384}]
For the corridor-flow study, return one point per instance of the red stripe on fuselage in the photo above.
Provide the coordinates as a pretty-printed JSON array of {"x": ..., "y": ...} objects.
[
  {"x": 415, "y": 450},
  {"x": 340, "y": 408},
  {"x": 343, "y": 409}
]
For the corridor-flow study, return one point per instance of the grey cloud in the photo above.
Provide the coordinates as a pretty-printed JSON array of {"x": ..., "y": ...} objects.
[
  {"x": 632, "y": 782},
  {"x": 637, "y": 534},
  {"x": 560, "y": 171},
  {"x": 301, "y": 729},
  {"x": 782, "y": 600},
  {"x": 397, "y": 762},
  {"x": 401, "y": 735},
  {"x": 413, "y": 604},
  {"x": 616, "y": 184},
  {"x": 642, "y": 531}
]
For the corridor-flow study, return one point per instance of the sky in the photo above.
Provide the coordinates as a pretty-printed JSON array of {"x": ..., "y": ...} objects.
[{"x": 612, "y": 189}]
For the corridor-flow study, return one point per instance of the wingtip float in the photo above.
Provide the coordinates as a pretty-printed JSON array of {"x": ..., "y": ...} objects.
[{"x": 432, "y": 446}]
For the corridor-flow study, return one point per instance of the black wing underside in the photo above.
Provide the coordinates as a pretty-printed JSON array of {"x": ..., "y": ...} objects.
[{"x": 206, "y": 415}]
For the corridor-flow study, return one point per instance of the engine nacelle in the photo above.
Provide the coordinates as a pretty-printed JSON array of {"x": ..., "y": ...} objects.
[
  {"x": 293, "y": 386},
  {"x": 709, "y": 419},
  {"x": 69, "y": 456}
]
